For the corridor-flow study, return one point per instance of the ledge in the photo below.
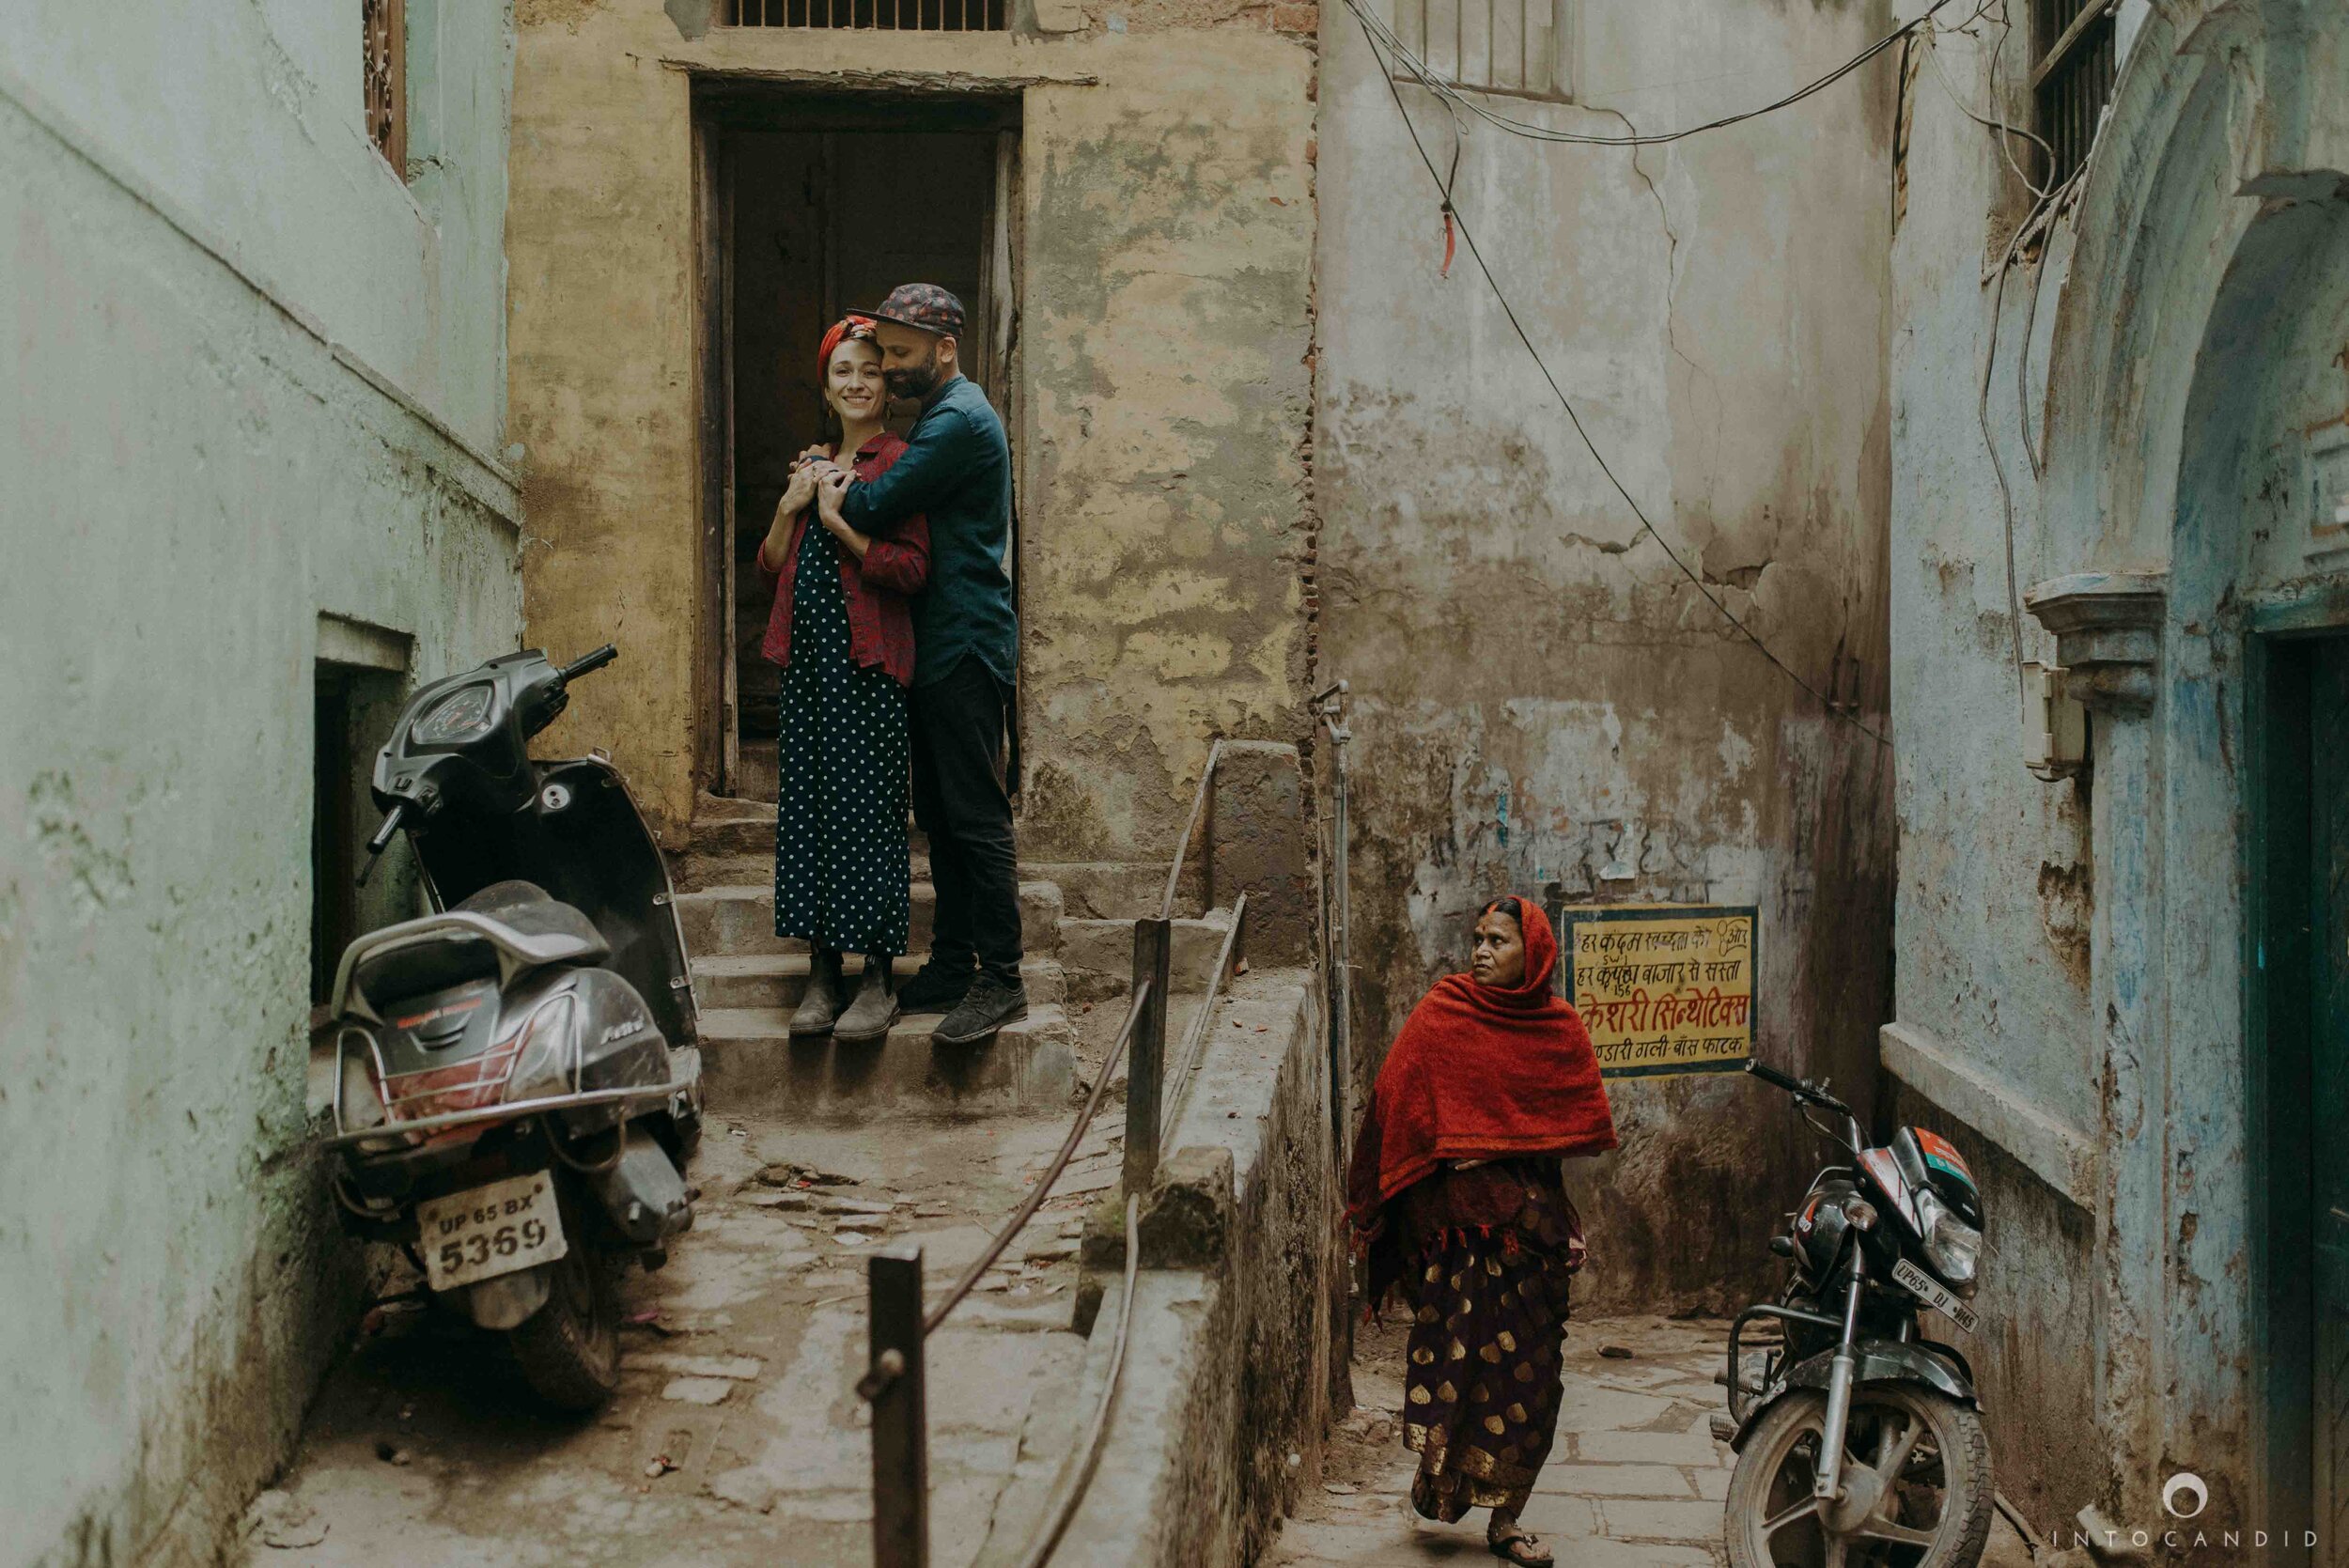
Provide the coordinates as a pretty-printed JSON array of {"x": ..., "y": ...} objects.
[
  {"x": 2062, "y": 1155},
  {"x": 2107, "y": 632}
]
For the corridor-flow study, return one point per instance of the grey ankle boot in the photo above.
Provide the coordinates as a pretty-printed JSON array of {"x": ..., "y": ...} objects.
[
  {"x": 875, "y": 1009},
  {"x": 823, "y": 1002}
]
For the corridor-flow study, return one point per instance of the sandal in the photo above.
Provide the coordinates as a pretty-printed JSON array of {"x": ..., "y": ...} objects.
[{"x": 1514, "y": 1543}]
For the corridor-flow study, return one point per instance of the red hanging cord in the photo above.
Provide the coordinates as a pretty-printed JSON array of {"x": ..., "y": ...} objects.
[{"x": 1451, "y": 241}]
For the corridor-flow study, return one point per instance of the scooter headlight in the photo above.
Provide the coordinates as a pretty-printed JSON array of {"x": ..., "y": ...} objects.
[
  {"x": 1952, "y": 1246},
  {"x": 463, "y": 715},
  {"x": 548, "y": 1058}
]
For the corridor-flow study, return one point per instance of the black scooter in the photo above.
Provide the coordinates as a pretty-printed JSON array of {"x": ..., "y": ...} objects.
[
  {"x": 1858, "y": 1439},
  {"x": 518, "y": 1085}
]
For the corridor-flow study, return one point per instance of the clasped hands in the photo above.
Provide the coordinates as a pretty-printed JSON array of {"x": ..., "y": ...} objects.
[{"x": 819, "y": 479}]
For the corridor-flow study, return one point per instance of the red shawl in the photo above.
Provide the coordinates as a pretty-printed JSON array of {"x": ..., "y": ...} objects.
[{"x": 1479, "y": 1073}]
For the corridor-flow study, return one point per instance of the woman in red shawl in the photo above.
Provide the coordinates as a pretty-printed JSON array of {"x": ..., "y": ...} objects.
[{"x": 1455, "y": 1196}]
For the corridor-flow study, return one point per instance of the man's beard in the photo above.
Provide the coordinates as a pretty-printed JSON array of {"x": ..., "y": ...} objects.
[{"x": 913, "y": 381}]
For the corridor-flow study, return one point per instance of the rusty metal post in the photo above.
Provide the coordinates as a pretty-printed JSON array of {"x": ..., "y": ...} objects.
[
  {"x": 1146, "y": 1055},
  {"x": 901, "y": 1462}
]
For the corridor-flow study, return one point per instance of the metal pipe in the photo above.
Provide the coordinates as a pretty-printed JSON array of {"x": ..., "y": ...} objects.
[
  {"x": 513, "y": 1112},
  {"x": 901, "y": 1482},
  {"x": 1145, "y": 1059},
  {"x": 1089, "y": 1455},
  {"x": 1194, "y": 1043},
  {"x": 1827, "y": 1482},
  {"x": 1182, "y": 846},
  {"x": 1043, "y": 1186}
]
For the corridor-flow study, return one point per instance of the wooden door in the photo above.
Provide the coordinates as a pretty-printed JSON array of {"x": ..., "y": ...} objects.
[{"x": 2328, "y": 1040}]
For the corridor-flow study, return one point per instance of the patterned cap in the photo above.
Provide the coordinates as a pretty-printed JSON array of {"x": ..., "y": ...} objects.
[{"x": 923, "y": 305}]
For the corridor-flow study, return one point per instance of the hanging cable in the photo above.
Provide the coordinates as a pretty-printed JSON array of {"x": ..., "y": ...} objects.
[
  {"x": 1467, "y": 237},
  {"x": 1393, "y": 49},
  {"x": 1997, "y": 128}
]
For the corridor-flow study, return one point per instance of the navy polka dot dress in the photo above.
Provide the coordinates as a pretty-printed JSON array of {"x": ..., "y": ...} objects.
[{"x": 841, "y": 872}]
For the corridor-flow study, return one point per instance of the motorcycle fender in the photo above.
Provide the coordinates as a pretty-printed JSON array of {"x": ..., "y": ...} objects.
[
  {"x": 506, "y": 1301},
  {"x": 1880, "y": 1361}
]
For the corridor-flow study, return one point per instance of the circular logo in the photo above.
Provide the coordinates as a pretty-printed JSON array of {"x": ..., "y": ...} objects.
[{"x": 2180, "y": 1489}]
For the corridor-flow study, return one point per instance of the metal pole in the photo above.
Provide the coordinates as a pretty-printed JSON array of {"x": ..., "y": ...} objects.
[
  {"x": 901, "y": 1464},
  {"x": 1146, "y": 1054}
]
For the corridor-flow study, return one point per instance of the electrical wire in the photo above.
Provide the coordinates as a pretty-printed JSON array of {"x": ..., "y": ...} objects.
[
  {"x": 1467, "y": 237},
  {"x": 1998, "y": 127},
  {"x": 1386, "y": 41}
]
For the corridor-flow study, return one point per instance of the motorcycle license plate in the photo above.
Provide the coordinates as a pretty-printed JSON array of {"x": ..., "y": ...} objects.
[
  {"x": 493, "y": 1230},
  {"x": 1934, "y": 1294}
]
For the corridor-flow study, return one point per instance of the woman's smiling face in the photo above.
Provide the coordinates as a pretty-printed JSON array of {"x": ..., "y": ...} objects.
[{"x": 853, "y": 382}]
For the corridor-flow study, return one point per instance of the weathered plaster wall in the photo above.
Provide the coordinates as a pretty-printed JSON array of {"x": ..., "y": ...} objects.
[
  {"x": 1167, "y": 187},
  {"x": 250, "y": 378},
  {"x": 2191, "y": 319},
  {"x": 1541, "y": 700}
]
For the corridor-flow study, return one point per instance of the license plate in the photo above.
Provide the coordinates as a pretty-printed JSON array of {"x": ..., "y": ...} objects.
[
  {"x": 1934, "y": 1294},
  {"x": 489, "y": 1231}
]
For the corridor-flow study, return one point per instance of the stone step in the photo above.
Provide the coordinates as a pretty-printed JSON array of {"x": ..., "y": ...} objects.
[
  {"x": 769, "y": 980},
  {"x": 1104, "y": 889},
  {"x": 1098, "y": 955},
  {"x": 739, "y": 917},
  {"x": 752, "y": 1064},
  {"x": 694, "y": 871}
]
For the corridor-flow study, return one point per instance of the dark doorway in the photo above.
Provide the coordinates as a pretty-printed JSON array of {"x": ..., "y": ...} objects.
[
  {"x": 2300, "y": 1023},
  {"x": 816, "y": 206},
  {"x": 354, "y": 708}
]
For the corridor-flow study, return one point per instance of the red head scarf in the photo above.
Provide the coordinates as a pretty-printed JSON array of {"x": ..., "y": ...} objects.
[
  {"x": 1479, "y": 1073},
  {"x": 858, "y": 328}
]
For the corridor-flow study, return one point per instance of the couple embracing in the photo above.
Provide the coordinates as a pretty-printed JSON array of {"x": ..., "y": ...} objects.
[{"x": 893, "y": 622}]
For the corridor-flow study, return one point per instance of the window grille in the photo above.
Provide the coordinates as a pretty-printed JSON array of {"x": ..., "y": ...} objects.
[
  {"x": 1500, "y": 46},
  {"x": 384, "y": 23},
  {"x": 2074, "y": 61},
  {"x": 925, "y": 15}
]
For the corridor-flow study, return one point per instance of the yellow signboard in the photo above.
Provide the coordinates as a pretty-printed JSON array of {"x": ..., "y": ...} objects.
[{"x": 1663, "y": 988}]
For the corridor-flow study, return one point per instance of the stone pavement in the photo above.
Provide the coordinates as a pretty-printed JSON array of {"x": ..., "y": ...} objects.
[
  {"x": 738, "y": 1438},
  {"x": 1635, "y": 1480}
]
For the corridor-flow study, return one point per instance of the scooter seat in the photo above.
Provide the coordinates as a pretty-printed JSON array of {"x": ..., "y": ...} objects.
[{"x": 529, "y": 910}]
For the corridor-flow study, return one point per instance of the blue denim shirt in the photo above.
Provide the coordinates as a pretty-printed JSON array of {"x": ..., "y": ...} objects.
[{"x": 957, "y": 470}]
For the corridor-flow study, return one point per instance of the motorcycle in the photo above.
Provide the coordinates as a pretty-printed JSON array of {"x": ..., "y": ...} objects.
[
  {"x": 1857, "y": 1439},
  {"x": 517, "y": 1082}
]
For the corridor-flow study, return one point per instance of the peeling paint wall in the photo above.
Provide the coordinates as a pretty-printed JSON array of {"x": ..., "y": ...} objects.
[
  {"x": 1542, "y": 701},
  {"x": 1167, "y": 205},
  {"x": 253, "y": 378},
  {"x": 2073, "y": 971}
]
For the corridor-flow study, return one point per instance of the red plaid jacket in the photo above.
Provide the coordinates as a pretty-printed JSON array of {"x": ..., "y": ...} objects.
[{"x": 881, "y": 621}]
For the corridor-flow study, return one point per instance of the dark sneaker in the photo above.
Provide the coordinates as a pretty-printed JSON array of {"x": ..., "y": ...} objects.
[
  {"x": 990, "y": 1006},
  {"x": 934, "y": 989},
  {"x": 874, "y": 1010}
]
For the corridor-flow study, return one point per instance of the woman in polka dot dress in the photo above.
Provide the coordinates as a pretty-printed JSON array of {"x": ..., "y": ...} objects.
[{"x": 843, "y": 632}]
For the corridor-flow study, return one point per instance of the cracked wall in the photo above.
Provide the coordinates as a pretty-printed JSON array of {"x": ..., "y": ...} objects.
[
  {"x": 1164, "y": 389},
  {"x": 1542, "y": 701},
  {"x": 253, "y": 377}
]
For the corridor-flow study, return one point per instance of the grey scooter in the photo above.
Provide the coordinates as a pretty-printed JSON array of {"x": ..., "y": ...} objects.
[{"x": 518, "y": 1085}]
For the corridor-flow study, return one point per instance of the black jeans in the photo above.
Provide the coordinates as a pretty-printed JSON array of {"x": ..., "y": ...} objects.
[{"x": 959, "y": 800}]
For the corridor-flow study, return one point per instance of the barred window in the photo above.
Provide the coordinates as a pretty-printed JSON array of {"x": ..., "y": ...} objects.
[
  {"x": 1500, "y": 46},
  {"x": 383, "y": 25},
  {"x": 927, "y": 16},
  {"x": 2074, "y": 63}
]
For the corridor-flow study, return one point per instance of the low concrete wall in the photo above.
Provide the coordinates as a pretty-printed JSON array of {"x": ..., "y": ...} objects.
[{"x": 1222, "y": 1401}]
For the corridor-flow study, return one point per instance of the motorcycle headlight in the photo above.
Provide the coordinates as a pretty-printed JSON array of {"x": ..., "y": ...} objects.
[
  {"x": 546, "y": 1061},
  {"x": 462, "y": 715},
  {"x": 1952, "y": 1246}
]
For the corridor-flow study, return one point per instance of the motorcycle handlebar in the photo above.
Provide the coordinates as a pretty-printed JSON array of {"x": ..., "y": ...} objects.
[
  {"x": 591, "y": 664},
  {"x": 382, "y": 839},
  {"x": 1771, "y": 1075}
]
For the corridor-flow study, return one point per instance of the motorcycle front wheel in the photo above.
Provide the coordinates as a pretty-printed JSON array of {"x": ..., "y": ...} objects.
[
  {"x": 569, "y": 1349},
  {"x": 1916, "y": 1485}
]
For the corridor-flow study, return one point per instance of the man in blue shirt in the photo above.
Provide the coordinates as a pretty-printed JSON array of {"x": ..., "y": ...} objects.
[{"x": 956, "y": 470}]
